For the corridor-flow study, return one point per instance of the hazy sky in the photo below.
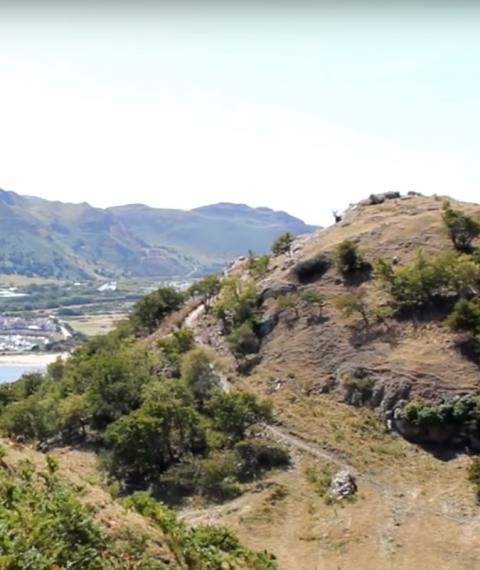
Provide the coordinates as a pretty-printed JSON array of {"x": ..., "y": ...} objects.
[{"x": 299, "y": 109}]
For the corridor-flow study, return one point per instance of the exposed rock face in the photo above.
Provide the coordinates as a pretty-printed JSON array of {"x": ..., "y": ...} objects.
[
  {"x": 374, "y": 199},
  {"x": 343, "y": 485},
  {"x": 267, "y": 324},
  {"x": 273, "y": 289},
  {"x": 363, "y": 387}
]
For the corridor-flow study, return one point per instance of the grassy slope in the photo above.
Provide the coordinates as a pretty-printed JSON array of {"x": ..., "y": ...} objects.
[{"x": 414, "y": 509}]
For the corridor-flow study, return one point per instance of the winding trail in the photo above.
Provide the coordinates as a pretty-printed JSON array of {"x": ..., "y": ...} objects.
[{"x": 297, "y": 443}]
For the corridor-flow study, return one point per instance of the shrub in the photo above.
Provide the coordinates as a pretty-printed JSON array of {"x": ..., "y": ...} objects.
[
  {"x": 200, "y": 547},
  {"x": 32, "y": 418},
  {"x": 153, "y": 437},
  {"x": 235, "y": 413},
  {"x": 256, "y": 457},
  {"x": 115, "y": 382},
  {"x": 206, "y": 288},
  {"x": 462, "y": 229},
  {"x": 415, "y": 284},
  {"x": 465, "y": 317},
  {"x": 354, "y": 302},
  {"x": 150, "y": 310},
  {"x": 213, "y": 477},
  {"x": 198, "y": 372},
  {"x": 45, "y": 526},
  {"x": 243, "y": 340},
  {"x": 173, "y": 347},
  {"x": 321, "y": 479},
  {"x": 310, "y": 296},
  {"x": 238, "y": 302},
  {"x": 258, "y": 265},
  {"x": 282, "y": 244},
  {"x": 462, "y": 412},
  {"x": 348, "y": 258}
]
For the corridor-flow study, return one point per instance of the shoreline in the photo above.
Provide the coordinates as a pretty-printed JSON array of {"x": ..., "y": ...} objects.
[{"x": 30, "y": 358}]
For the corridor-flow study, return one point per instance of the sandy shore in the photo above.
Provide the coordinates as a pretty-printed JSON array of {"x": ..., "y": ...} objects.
[{"x": 31, "y": 358}]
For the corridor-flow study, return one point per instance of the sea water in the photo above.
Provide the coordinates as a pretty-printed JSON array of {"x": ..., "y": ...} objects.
[{"x": 12, "y": 372}]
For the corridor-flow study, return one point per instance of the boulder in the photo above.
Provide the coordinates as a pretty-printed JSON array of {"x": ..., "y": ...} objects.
[
  {"x": 273, "y": 289},
  {"x": 374, "y": 199},
  {"x": 343, "y": 485}
]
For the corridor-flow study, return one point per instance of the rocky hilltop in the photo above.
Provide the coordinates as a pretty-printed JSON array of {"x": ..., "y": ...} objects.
[{"x": 346, "y": 383}]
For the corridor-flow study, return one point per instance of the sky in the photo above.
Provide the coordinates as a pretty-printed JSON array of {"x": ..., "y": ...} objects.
[{"x": 301, "y": 107}]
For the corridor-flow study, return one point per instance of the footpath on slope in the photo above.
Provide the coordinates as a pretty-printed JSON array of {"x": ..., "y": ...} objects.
[{"x": 282, "y": 435}]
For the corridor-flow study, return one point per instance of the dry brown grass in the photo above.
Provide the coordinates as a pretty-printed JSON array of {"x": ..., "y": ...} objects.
[{"x": 414, "y": 510}]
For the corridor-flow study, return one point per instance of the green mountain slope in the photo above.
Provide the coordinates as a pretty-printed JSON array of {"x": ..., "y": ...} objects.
[{"x": 54, "y": 239}]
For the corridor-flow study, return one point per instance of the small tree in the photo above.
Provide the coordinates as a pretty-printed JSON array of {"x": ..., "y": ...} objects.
[
  {"x": 465, "y": 317},
  {"x": 348, "y": 258},
  {"x": 207, "y": 288},
  {"x": 313, "y": 298},
  {"x": 258, "y": 265},
  {"x": 198, "y": 372},
  {"x": 282, "y": 244},
  {"x": 237, "y": 302},
  {"x": 462, "y": 229},
  {"x": 235, "y": 413},
  {"x": 243, "y": 340},
  {"x": 354, "y": 302},
  {"x": 149, "y": 311}
]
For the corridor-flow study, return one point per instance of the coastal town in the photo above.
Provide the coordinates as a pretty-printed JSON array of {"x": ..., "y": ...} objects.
[{"x": 22, "y": 334}]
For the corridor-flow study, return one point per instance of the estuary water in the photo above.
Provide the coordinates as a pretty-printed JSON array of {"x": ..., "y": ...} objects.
[{"x": 12, "y": 366}]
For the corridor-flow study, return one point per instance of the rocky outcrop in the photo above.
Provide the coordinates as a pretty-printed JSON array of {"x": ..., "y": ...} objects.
[
  {"x": 343, "y": 485},
  {"x": 273, "y": 289},
  {"x": 374, "y": 199}
]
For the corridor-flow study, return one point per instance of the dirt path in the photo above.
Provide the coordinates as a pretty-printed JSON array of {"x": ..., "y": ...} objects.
[{"x": 297, "y": 443}]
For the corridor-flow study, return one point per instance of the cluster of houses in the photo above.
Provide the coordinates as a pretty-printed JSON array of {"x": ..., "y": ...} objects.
[{"x": 21, "y": 334}]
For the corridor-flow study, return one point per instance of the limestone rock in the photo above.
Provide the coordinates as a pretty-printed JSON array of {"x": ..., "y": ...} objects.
[{"x": 343, "y": 485}]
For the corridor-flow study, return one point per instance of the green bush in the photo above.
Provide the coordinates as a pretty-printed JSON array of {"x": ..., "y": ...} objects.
[
  {"x": 255, "y": 457},
  {"x": 32, "y": 418},
  {"x": 213, "y": 477},
  {"x": 243, "y": 340},
  {"x": 173, "y": 347},
  {"x": 43, "y": 525},
  {"x": 206, "y": 289},
  {"x": 150, "y": 439},
  {"x": 114, "y": 384},
  {"x": 348, "y": 258},
  {"x": 282, "y": 244},
  {"x": 258, "y": 265},
  {"x": 150, "y": 310},
  {"x": 463, "y": 413},
  {"x": 201, "y": 547},
  {"x": 354, "y": 302},
  {"x": 465, "y": 317},
  {"x": 234, "y": 413},
  {"x": 462, "y": 229},
  {"x": 198, "y": 371},
  {"x": 238, "y": 302},
  {"x": 415, "y": 284}
]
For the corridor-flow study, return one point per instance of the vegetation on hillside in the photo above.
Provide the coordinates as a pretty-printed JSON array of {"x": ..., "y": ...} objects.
[
  {"x": 45, "y": 525},
  {"x": 158, "y": 415}
]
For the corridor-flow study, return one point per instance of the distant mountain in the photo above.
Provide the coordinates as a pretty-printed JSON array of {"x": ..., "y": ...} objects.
[{"x": 54, "y": 239}]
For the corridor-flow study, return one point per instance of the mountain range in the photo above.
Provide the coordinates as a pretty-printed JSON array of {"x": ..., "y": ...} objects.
[{"x": 46, "y": 238}]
